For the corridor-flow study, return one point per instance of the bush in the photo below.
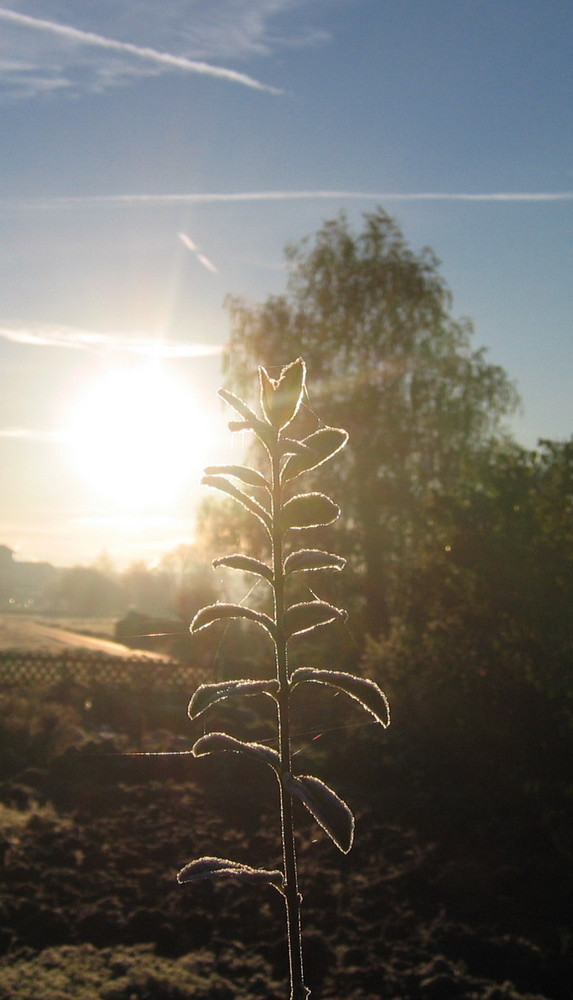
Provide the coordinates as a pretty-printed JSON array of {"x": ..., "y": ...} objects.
[
  {"x": 84, "y": 972},
  {"x": 33, "y": 731}
]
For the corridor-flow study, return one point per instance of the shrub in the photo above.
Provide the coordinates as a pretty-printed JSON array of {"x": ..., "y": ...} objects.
[{"x": 84, "y": 972}]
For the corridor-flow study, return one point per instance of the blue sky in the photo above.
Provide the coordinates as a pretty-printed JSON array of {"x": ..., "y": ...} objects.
[{"x": 157, "y": 156}]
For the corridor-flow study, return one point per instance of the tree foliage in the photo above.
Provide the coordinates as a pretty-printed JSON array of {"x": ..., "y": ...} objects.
[
  {"x": 502, "y": 583},
  {"x": 373, "y": 319}
]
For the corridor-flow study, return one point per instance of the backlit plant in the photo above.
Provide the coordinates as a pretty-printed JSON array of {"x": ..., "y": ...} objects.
[{"x": 272, "y": 499}]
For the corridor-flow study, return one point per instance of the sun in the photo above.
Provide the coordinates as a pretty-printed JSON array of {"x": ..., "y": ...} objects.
[{"x": 138, "y": 436}]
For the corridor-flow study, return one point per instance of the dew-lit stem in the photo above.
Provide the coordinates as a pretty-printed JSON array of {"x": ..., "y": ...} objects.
[
  {"x": 292, "y": 896},
  {"x": 280, "y": 401}
]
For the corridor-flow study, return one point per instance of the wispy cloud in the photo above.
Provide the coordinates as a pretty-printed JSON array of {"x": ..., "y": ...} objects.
[
  {"x": 243, "y": 28},
  {"x": 44, "y": 335},
  {"x": 135, "y": 522},
  {"x": 31, "y": 434},
  {"x": 254, "y": 196},
  {"x": 165, "y": 60}
]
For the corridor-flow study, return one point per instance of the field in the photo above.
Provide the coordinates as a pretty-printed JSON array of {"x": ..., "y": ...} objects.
[
  {"x": 55, "y": 634},
  {"x": 460, "y": 900},
  {"x": 32, "y": 633}
]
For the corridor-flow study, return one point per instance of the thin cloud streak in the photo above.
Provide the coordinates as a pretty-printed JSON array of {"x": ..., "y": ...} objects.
[
  {"x": 134, "y": 522},
  {"x": 31, "y": 434},
  {"x": 250, "y": 196},
  {"x": 188, "y": 242},
  {"x": 75, "y": 35},
  {"x": 74, "y": 339}
]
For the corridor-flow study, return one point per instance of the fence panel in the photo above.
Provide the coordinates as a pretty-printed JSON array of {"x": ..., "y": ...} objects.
[{"x": 19, "y": 668}]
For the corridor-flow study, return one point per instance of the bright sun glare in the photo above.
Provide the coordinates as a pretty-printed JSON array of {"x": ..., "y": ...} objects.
[{"x": 138, "y": 436}]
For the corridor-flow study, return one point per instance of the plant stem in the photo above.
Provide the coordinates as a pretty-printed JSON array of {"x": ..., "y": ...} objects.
[{"x": 292, "y": 895}]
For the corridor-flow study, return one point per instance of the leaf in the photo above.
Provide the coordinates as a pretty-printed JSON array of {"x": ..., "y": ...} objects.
[
  {"x": 250, "y": 420},
  {"x": 364, "y": 691},
  {"x": 311, "y": 614},
  {"x": 243, "y": 472},
  {"x": 219, "y": 483},
  {"x": 204, "y": 868},
  {"x": 321, "y": 446},
  {"x": 332, "y": 814},
  {"x": 239, "y": 405},
  {"x": 289, "y": 446},
  {"x": 281, "y": 398},
  {"x": 312, "y": 559},
  {"x": 208, "y": 694},
  {"x": 217, "y": 742},
  {"x": 239, "y": 425},
  {"x": 217, "y": 612},
  {"x": 309, "y": 510},
  {"x": 245, "y": 563}
]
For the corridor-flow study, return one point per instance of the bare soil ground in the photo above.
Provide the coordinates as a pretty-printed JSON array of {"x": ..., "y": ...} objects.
[
  {"x": 459, "y": 885},
  {"x": 90, "y": 855}
]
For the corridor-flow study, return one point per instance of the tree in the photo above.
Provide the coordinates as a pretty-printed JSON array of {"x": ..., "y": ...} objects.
[
  {"x": 189, "y": 581},
  {"x": 146, "y": 589},
  {"x": 372, "y": 319},
  {"x": 84, "y": 591},
  {"x": 509, "y": 582},
  {"x": 479, "y": 663}
]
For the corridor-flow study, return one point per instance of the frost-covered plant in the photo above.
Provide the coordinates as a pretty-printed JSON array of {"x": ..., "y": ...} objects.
[{"x": 281, "y": 511}]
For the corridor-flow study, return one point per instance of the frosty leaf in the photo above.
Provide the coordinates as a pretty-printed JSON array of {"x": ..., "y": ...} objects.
[
  {"x": 239, "y": 405},
  {"x": 364, "y": 691},
  {"x": 205, "y": 868},
  {"x": 309, "y": 510},
  {"x": 289, "y": 446},
  {"x": 218, "y": 612},
  {"x": 208, "y": 694},
  {"x": 280, "y": 398},
  {"x": 312, "y": 559},
  {"x": 239, "y": 425},
  {"x": 243, "y": 472},
  {"x": 219, "y": 483},
  {"x": 328, "y": 809},
  {"x": 245, "y": 563},
  {"x": 304, "y": 617},
  {"x": 250, "y": 420},
  {"x": 217, "y": 742},
  {"x": 321, "y": 446}
]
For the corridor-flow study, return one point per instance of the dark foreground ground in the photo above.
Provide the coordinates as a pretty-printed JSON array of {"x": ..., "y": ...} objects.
[{"x": 427, "y": 906}]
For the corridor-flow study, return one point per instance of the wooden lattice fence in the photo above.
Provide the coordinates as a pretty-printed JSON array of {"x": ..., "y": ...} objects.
[{"x": 89, "y": 668}]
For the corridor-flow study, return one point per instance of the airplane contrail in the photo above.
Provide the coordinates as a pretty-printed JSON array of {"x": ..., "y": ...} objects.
[
  {"x": 254, "y": 196},
  {"x": 140, "y": 52},
  {"x": 188, "y": 242}
]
